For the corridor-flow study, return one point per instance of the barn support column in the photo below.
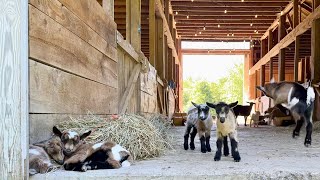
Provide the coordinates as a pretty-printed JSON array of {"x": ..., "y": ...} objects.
[
  {"x": 152, "y": 33},
  {"x": 315, "y": 59},
  {"x": 14, "y": 99},
  {"x": 297, "y": 40},
  {"x": 246, "y": 81},
  {"x": 160, "y": 49},
  {"x": 270, "y": 46},
  {"x": 282, "y": 52},
  {"x": 262, "y": 77},
  {"x": 108, "y": 6}
]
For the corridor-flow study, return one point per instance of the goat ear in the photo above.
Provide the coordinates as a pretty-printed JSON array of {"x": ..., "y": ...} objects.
[
  {"x": 195, "y": 105},
  {"x": 232, "y": 105},
  {"x": 84, "y": 135},
  {"x": 56, "y": 131},
  {"x": 211, "y": 105},
  {"x": 261, "y": 88},
  {"x": 32, "y": 172},
  {"x": 272, "y": 80}
]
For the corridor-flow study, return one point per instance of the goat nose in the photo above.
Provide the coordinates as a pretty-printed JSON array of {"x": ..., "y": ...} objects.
[
  {"x": 222, "y": 120},
  {"x": 60, "y": 162}
]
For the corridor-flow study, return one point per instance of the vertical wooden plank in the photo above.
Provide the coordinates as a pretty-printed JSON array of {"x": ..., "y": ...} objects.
[
  {"x": 296, "y": 58},
  {"x": 108, "y": 6},
  {"x": 315, "y": 53},
  {"x": 303, "y": 70},
  {"x": 263, "y": 48},
  {"x": 160, "y": 48},
  {"x": 255, "y": 84},
  {"x": 281, "y": 56},
  {"x": 262, "y": 75},
  {"x": 295, "y": 13},
  {"x": 270, "y": 69},
  {"x": 135, "y": 31},
  {"x": 128, "y": 20},
  {"x": 246, "y": 81},
  {"x": 270, "y": 40},
  {"x": 152, "y": 33},
  {"x": 14, "y": 89}
]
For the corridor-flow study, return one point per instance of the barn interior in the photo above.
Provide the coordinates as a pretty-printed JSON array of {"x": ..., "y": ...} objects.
[{"x": 125, "y": 56}]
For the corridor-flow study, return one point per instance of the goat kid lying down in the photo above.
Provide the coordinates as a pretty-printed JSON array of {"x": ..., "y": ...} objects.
[
  {"x": 298, "y": 99},
  {"x": 200, "y": 121},
  {"x": 226, "y": 126},
  {"x": 82, "y": 156},
  {"x": 39, "y": 153}
]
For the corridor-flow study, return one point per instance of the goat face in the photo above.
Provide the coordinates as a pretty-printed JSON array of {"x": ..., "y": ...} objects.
[
  {"x": 70, "y": 140},
  {"x": 222, "y": 109},
  {"x": 203, "y": 111},
  {"x": 54, "y": 149}
]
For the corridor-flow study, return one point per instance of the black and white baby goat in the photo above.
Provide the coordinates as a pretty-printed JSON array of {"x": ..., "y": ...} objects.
[
  {"x": 226, "y": 126},
  {"x": 200, "y": 121},
  {"x": 298, "y": 99}
]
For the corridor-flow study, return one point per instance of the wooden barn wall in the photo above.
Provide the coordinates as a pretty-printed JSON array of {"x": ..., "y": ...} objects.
[
  {"x": 73, "y": 62},
  {"x": 148, "y": 87}
]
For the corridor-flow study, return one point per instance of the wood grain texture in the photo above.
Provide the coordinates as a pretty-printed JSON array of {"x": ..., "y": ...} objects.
[
  {"x": 53, "y": 44},
  {"x": 148, "y": 87},
  {"x": 55, "y": 10},
  {"x": 55, "y": 91},
  {"x": 13, "y": 89},
  {"x": 91, "y": 12}
]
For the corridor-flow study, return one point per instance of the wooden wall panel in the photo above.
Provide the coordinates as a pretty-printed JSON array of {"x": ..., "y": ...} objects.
[
  {"x": 148, "y": 87},
  {"x": 55, "y": 91},
  {"x": 53, "y": 44},
  {"x": 69, "y": 20},
  {"x": 13, "y": 90}
]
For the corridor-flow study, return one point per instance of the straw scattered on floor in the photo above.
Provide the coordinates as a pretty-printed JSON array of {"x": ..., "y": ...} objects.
[{"x": 144, "y": 138}]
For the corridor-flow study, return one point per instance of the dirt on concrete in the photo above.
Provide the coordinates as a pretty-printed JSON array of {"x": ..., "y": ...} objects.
[{"x": 266, "y": 153}]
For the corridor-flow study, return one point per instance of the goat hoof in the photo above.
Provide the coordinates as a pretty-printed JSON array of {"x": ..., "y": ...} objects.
[
  {"x": 226, "y": 153},
  {"x": 295, "y": 133},
  {"x": 84, "y": 168},
  {"x": 185, "y": 146},
  {"x": 307, "y": 142},
  {"x": 192, "y": 147},
  {"x": 217, "y": 158},
  {"x": 203, "y": 151},
  {"x": 236, "y": 157},
  {"x": 208, "y": 148}
]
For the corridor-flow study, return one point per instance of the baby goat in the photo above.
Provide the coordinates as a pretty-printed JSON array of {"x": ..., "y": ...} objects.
[
  {"x": 226, "y": 126},
  {"x": 241, "y": 110},
  {"x": 298, "y": 99},
  {"x": 81, "y": 156},
  {"x": 39, "y": 161},
  {"x": 199, "y": 120}
]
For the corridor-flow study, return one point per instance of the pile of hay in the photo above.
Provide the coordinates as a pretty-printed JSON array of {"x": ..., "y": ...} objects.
[{"x": 144, "y": 138}]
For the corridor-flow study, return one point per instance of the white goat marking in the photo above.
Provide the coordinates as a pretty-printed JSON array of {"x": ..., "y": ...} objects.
[
  {"x": 96, "y": 146},
  {"x": 72, "y": 134},
  {"x": 202, "y": 115},
  {"x": 34, "y": 151},
  {"x": 291, "y": 102},
  {"x": 310, "y": 95},
  {"x": 116, "y": 152},
  {"x": 125, "y": 164}
]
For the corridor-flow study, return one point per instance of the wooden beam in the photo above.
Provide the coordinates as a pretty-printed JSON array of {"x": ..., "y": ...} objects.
[
  {"x": 262, "y": 76},
  {"x": 108, "y": 6},
  {"x": 160, "y": 64},
  {"x": 200, "y": 4},
  {"x": 271, "y": 69},
  {"x": 123, "y": 104},
  {"x": 170, "y": 38},
  {"x": 135, "y": 24},
  {"x": 152, "y": 32},
  {"x": 275, "y": 22},
  {"x": 288, "y": 39},
  {"x": 214, "y": 52},
  {"x": 295, "y": 13},
  {"x": 296, "y": 58},
  {"x": 127, "y": 47},
  {"x": 315, "y": 46},
  {"x": 270, "y": 40},
  {"x": 263, "y": 47}
]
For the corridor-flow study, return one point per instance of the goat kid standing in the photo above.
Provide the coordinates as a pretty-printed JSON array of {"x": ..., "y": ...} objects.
[
  {"x": 241, "y": 110},
  {"x": 298, "y": 99},
  {"x": 200, "y": 121},
  {"x": 226, "y": 126}
]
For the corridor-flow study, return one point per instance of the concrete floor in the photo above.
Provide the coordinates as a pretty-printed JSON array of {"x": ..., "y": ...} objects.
[{"x": 267, "y": 153}]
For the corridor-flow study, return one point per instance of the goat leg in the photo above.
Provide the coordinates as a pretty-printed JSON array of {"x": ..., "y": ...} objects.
[
  {"x": 203, "y": 145},
  {"x": 186, "y": 137},
  {"x": 296, "y": 131},
  {"x": 225, "y": 146},
  {"x": 193, "y": 135},
  {"x": 308, "y": 117},
  {"x": 217, "y": 156},
  {"x": 245, "y": 120},
  {"x": 208, "y": 144},
  {"x": 234, "y": 149}
]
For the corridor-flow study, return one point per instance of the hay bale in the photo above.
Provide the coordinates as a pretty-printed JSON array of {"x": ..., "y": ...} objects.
[{"x": 144, "y": 138}]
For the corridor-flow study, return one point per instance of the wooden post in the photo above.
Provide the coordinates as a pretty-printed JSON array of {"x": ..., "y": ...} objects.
[
  {"x": 255, "y": 84},
  {"x": 160, "y": 49},
  {"x": 108, "y": 6},
  {"x": 270, "y": 40},
  {"x": 128, "y": 20},
  {"x": 271, "y": 69},
  {"x": 14, "y": 69},
  {"x": 246, "y": 81},
  {"x": 281, "y": 61},
  {"x": 152, "y": 32},
  {"x": 263, "y": 47},
  {"x": 295, "y": 13},
  {"x": 296, "y": 58},
  {"x": 135, "y": 24},
  {"x": 303, "y": 70},
  {"x": 262, "y": 77},
  {"x": 315, "y": 53}
]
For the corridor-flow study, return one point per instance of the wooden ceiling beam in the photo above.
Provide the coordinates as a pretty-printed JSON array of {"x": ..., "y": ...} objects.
[
  {"x": 184, "y": 13},
  {"x": 214, "y": 52},
  {"x": 227, "y": 4},
  {"x": 222, "y": 21},
  {"x": 223, "y": 17},
  {"x": 222, "y": 1},
  {"x": 229, "y": 9}
]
